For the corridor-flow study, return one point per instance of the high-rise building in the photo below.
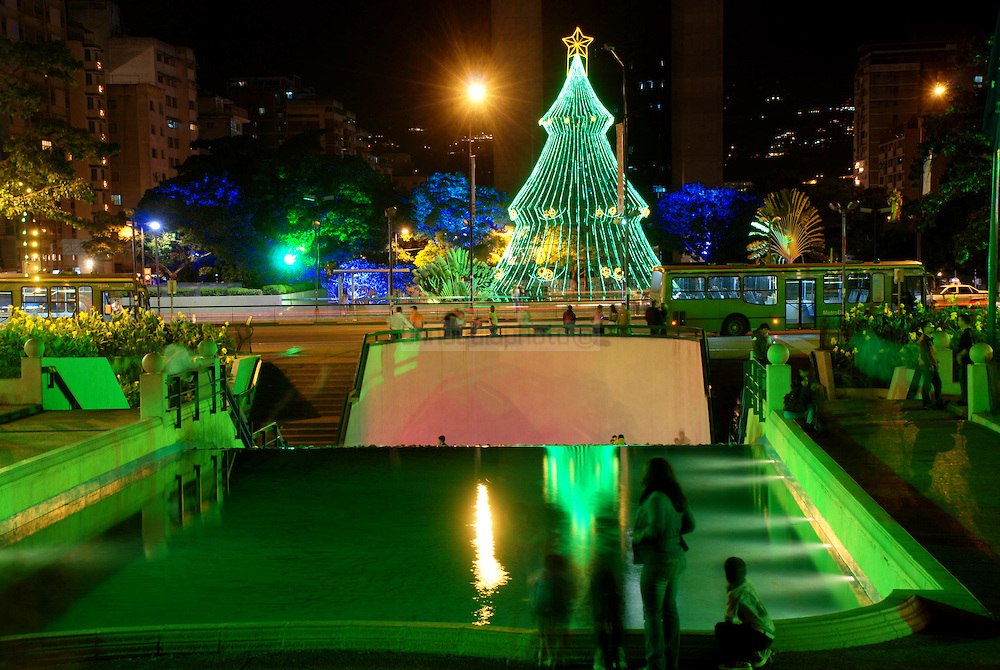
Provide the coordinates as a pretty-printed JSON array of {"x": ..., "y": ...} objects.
[
  {"x": 894, "y": 86},
  {"x": 280, "y": 108},
  {"x": 152, "y": 113}
]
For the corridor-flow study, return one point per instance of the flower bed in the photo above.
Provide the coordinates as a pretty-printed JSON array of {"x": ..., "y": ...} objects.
[{"x": 124, "y": 341}]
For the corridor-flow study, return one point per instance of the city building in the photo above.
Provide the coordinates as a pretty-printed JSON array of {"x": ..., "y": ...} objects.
[
  {"x": 220, "y": 117},
  {"x": 27, "y": 242},
  {"x": 152, "y": 113},
  {"x": 894, "y": 86},
  {"x": 279, "y": 108}
]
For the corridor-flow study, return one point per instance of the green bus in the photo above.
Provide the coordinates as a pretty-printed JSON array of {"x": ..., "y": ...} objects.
[
  {"x": 64, "y": 295},
  {"x": 728, "y": 299}
]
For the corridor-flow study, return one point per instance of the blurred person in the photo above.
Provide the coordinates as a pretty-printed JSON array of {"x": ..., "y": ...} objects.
[
  {"x": 802, "y": 402},
  {"x": 494, "y": 322},
  {"x": 965, "y": 341},
  {"x": 653, "y": 318},
  {"x": 398, "y": 322},
  {"x": 606, "y": 610},
  {"x": 569, "y": 319},
  {"x": 929, "y": 377},
  {"x": 598, "y": 320},
  {"x": 658, "y": 546},
  {"x": 551, "y": 601},
  {"x": 417, "y": 321}
]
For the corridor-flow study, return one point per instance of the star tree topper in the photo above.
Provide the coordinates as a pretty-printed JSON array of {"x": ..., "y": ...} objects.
[{"x": 577, "y": 44}]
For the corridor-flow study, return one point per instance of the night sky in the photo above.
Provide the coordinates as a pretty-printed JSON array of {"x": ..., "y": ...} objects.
[{"x": 392, "y": 61}]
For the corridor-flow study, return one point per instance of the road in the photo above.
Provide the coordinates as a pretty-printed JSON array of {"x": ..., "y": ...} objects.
[{"x": 303, "y": 339}]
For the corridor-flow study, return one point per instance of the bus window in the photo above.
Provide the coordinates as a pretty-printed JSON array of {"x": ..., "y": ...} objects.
[
  {"x": 687, "y": 288},
  {"x": 62, "y": 300},
  {"x": 6, "y": 304},
  {"x": 878, "y": 287},
  {"x": 859, "y": 288},
  {"x": 760, "y": 290},
  {"x": 34, "y": 300},
  {"x": 85, "y": 299},
  {"x": 915, "y": 287},
  {"x": 831, "y": 289},
  {"x": 723, "y": 287}
]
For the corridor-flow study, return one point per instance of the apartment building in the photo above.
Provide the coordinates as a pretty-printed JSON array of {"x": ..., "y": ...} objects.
[
  {"x": 220, "y": 117},
  {"x": 894, "y": 86}
]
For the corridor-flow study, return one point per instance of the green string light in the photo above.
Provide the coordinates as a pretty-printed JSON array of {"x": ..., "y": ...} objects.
[{"x": 568, "y": 232}]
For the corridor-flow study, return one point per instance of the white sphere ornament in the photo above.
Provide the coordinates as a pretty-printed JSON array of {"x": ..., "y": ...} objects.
[
  {"x": 981, "y": 353},
  {"x": 778, "y": 354},
  {"x": 152, "y": 363},
  {"x": 34, "y": 348}
]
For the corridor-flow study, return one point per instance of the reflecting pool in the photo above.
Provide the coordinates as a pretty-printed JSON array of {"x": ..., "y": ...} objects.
[{"x": 440, "y": 535}]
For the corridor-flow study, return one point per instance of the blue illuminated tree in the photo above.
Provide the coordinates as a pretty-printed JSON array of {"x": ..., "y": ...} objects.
[
  {"x": 711, "y": 224},
  {"x": 441, "y": 205}
]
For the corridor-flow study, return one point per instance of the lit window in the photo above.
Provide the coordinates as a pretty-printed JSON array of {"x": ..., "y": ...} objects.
[
  {"x": 46, "y": 145},
  {"x": 192, "y": 126}
]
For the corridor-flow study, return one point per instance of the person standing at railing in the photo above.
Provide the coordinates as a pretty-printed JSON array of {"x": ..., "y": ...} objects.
[
  {"x": 653, "y": 318},
  {"x": 624, "y": 321},
  {"x": 417, "y": 321},
  {"x": 569, "y": 319},
  {"x": 494, "y": 325},
  {"x": 761, "y": 342},
  {"x": 598, "y": 320},
  {"x": 398, "y": 322}
]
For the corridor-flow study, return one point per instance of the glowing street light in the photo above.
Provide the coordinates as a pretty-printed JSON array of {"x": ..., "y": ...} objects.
[
  {"x": 155, "y": 225},
  {"x": 477, "y": 92}
]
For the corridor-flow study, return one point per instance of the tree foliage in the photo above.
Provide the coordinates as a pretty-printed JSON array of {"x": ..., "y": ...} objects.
[
  {"x": 36, "y": 169},
  {"x": 250, "y": 206},
  {"x": 448, "y": 275},
  {"x": 786, "y": 227},
  {"x": 955, "y": 214},
  {"x": 711, "y": 223},
  {"x": 441, "y": 205}
]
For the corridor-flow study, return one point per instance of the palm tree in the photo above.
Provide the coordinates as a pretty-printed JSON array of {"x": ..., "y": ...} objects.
[{"x": 786, "y": 227}]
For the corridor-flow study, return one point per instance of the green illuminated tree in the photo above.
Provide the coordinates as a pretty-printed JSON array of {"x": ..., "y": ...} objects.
[{"x": 568, "y": 231}]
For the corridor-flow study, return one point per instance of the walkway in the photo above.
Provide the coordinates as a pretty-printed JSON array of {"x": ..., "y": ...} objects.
[{"x": 25, "y": 433}]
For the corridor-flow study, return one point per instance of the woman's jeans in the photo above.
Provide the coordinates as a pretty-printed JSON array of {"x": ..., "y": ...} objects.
[{"x": 658, "y": 586}]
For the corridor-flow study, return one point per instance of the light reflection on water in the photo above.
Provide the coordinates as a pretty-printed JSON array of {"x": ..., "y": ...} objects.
[
  {"x": 392, "y": 534},
  {"x": 490, "y": 574}
]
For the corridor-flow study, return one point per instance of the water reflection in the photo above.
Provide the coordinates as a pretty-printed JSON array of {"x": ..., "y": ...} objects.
[{"x": 490, "y": 574}]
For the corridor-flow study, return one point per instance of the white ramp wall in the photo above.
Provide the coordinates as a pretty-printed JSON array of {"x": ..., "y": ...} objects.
[{"x": 532, "y": 390}]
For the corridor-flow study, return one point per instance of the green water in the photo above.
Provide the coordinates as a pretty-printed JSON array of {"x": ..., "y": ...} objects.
[{"x": 448, "y": 535}]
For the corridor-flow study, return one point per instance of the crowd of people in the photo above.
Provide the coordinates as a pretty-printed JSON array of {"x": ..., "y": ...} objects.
[{"x": 664, "y": 518}]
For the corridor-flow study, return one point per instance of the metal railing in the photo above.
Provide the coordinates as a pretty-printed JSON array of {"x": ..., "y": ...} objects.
[
  {"x": 752, "y": 396},
  {"x": 539, "y": 329},
  {"x": 56, "y": 381},
  {"x": 186, "y": 389}
]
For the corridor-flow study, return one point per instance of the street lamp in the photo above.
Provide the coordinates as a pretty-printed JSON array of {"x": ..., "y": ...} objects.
[
  {"x": 477, "y": 91},
  {"x": 155, "y": 225},
  {"x": 622, "y": 158},
  {"x": 316, "y": 225},
  {"x": 389, "y": 213},
  {"x": 843, "y": 210}
]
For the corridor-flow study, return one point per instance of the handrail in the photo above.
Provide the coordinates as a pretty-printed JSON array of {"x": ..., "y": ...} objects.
[
  {"x": 243, "y": 431},
  {"x": 55, "y": 379},
  {"x": 706, "y": 374},
  {"x": 277, "y": 441},
  {"x": 359, "y": 377}
]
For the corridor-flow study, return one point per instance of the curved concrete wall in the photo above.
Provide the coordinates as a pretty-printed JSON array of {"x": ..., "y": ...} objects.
[{"x": 531, "y": 390}]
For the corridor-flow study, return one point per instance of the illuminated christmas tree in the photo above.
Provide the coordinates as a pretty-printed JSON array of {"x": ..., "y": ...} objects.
[{"x": 569, "y": 235}]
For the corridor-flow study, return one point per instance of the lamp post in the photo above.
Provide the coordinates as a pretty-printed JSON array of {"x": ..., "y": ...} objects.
[
  {"x": 843, "y": 210},
  {"x": 476, "y": 94},
  {"x": 622, "y": 158},
  {"x": 316, "y": 225},
  {"x": 155, "y": 225},
  {"x": 389, "y": 213}
]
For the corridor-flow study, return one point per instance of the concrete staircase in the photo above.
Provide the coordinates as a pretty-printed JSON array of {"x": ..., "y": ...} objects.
[{"x": 305, "y": 396}]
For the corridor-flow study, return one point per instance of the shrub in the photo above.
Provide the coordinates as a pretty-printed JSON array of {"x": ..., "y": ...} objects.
[
  {"x": 123, "y": 341},
  {"x": 205, "y": 292},
  {"x": 276, "y": 289},
  {"x": 236, "y": 290}
]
